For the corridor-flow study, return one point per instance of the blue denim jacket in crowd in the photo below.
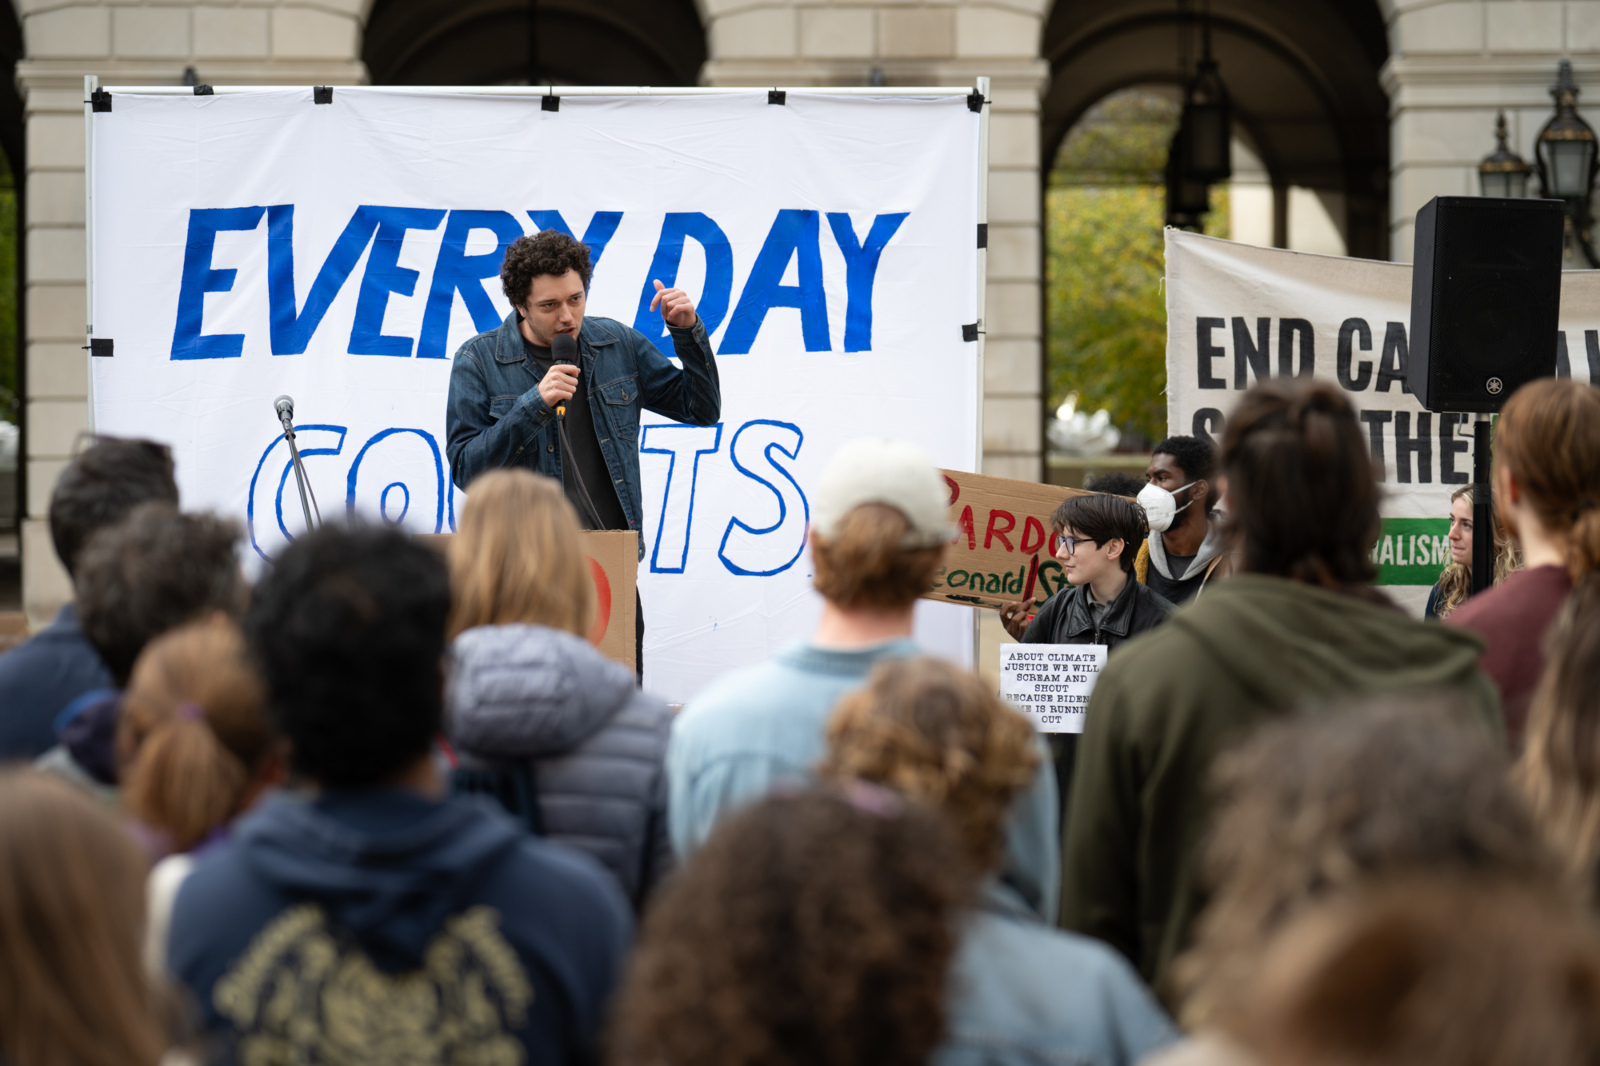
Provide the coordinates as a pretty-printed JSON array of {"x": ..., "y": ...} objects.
[{"x": 495, "y": 417}]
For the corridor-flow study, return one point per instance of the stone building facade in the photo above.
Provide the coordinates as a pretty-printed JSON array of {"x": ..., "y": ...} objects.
[{"x": 1373, "y": 105}]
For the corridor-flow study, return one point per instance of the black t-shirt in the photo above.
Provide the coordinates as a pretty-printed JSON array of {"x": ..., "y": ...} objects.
[
  {"x": 585, "y": 459},
  {"x": 1182, "y": 585}
]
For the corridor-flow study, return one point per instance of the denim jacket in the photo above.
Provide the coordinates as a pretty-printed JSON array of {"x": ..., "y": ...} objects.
[{"x": 495, "y": 417}]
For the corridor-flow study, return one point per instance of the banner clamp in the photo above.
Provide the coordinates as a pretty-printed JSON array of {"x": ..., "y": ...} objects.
[
  {"x": 550, "y": 103},
  {"x": 969, "y": 332},
  {"x": 99, "y": 347},
  {"x": 983, "y": 235},
  {"x": 203, "y": 90},
  {"x": 99, "y": 100},
  {"x": 322, "y": 94},
  {"x": 975, "y": 101},
  {"x": 777, "y": 96}
]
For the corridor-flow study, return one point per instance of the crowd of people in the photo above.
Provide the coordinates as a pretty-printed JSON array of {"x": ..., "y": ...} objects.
[{"x": 391, "y": 805}]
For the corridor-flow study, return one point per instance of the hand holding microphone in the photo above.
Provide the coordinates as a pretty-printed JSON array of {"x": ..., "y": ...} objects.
[{"x": 561, "y": 380}]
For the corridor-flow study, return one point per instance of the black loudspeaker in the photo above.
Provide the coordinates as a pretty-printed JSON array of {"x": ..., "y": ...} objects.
[{"x": 1485, "y": 294}]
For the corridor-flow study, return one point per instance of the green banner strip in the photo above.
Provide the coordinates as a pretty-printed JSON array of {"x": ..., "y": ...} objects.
[{"x": 1412, "y": 551}]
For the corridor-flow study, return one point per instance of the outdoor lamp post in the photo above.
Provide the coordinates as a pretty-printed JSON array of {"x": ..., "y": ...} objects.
[
  {"x": 1503, "y": 173},
  {"x": 1566, "y": 157}
]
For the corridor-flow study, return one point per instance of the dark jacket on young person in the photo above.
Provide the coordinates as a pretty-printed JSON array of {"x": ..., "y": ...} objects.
[
  {"x": 594, "y": 742},
  {"x": 37, "y": 681},
  {"x": 379, "y": 925},
  {"x": 1251, "y": 649},
  {"x": 1068, "y": 618}
]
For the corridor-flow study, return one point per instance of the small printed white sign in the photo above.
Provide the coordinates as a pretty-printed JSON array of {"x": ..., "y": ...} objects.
[{"x": 1051, "y": 683}]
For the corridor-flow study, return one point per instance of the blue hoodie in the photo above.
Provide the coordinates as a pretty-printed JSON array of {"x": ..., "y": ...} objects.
[{"x": 380, "y": 926}]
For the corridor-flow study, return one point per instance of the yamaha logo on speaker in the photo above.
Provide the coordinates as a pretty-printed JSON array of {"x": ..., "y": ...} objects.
[{"x": 1494, "y": 385}]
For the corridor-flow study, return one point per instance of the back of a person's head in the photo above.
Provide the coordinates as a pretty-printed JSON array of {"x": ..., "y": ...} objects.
[
  {"x": 1197, "y": 458},
  {"x": 193, "y": 732},
  {"x": 517, "y": 557},
  {"x": 813, "y": 928},
  {"x": 1336, "y": 798},
  {"x": 103, "y": 483},
  {"x": 1302, "y": 487},
  {"x": 72, "y": 986},
  {"x": 936, "y": 734},
  {"x": 1548, "y": 437},
  {"x": 879, "y": 526},
  {"x": 348, "y": 628},
  {"x": 1559, "y": 769},
  {"x": 1102, "y": 519},
  {"x": 1116, "y": 483},
  {"x": 151, "y": 572},
  {"x": 1429, "y": 972}
]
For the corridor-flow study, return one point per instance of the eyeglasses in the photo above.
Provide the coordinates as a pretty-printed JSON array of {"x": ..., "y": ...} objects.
[{"x": 1058, "y": 542}]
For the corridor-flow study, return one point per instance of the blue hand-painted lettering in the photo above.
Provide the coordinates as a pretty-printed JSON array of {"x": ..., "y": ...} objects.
[
  {"x": 755, "y": 551},
  {"x": 793, "y": 236},
  {"x": 676, "y": 521}
]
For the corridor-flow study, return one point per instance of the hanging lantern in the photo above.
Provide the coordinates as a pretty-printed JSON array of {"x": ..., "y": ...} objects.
[
  {"x": 1207, "y": 125},
  {"x": 1503, "y": 173},
  {"x": 1188, "y": 199}
]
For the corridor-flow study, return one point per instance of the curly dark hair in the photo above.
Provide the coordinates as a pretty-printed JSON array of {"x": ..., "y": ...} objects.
[
  {"x": 812, "y": 929},
  {"x": 546, "y": 252},
  {"x": 152, "y": 572},
  {"x": 1197, "y": 458},
  {"x": 348, "y": 629},
  {"x": 102, "y": 484}
]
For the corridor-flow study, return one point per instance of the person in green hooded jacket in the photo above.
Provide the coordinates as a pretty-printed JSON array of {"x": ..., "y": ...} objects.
[{"x": 1298, "y": 626}]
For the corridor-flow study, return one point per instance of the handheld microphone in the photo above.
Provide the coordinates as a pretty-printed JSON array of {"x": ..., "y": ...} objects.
[{"x": 563, "y": 352}]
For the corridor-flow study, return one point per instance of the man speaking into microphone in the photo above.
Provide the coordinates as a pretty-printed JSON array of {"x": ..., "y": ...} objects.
[{"x": 507, "y": 385}]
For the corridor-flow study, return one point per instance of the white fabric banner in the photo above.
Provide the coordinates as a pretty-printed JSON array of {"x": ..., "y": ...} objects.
[
  {"x": 1237, "y": 314},
  {"x": 249, "y": 244}
]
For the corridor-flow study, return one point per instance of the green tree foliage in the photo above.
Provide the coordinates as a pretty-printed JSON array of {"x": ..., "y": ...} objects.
[{"x": 1104, "y": 213}]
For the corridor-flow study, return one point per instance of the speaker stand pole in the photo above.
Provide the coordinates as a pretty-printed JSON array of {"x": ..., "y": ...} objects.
[{"x": 1482, "y": 506}]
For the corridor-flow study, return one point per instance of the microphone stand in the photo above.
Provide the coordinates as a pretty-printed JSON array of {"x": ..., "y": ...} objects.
[
  {"x": 307, "y": 498},
  {"x": 1483, "y": 545}
]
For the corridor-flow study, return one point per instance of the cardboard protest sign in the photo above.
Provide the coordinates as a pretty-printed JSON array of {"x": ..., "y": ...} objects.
[
  {"x": 1051, "y": 683},
  {"x": 614, "y": 565},
  {"x": 613, "y": 558},
  {"x": 1002, "y": 547}
]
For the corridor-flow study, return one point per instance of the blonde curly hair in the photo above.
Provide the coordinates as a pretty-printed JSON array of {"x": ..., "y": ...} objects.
[{"x": 938, "y": 736}]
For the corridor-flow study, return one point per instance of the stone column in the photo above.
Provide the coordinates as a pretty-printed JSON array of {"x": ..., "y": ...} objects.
[
  {"x": 283, "y": 43},
  {"x": 1452, "y": 65},
  {"x": 939, "y": 42}
]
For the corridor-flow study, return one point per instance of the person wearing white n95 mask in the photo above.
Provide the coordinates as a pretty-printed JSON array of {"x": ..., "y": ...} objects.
[{"x": 1185, "y": 547}]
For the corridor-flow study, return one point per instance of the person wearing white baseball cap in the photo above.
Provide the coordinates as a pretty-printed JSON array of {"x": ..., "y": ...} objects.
[{"x": 880, "y": 526}]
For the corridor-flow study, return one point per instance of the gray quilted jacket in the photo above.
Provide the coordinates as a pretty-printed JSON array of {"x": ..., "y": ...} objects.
[{"x": 596, "y": 742}]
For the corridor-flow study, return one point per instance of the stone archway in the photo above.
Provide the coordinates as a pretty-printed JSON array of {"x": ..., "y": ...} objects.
[
  {"x": 1304, "y": 79},
  {"x": 579, "y": 42}
]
